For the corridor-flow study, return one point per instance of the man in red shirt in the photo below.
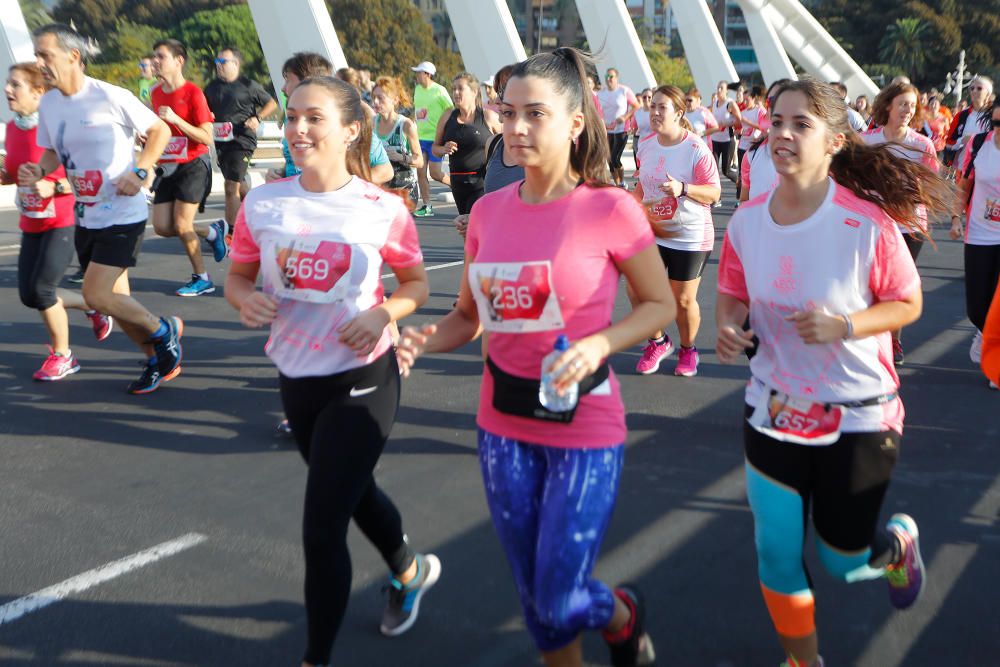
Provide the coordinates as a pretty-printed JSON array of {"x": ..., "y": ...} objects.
[{"x": 184, "y": 172}]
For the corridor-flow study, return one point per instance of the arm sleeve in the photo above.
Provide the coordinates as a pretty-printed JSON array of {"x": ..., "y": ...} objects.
[
  {"x": 709, "y": 117},
  {"x": 42, "y": 135},
  {"x": 402, "y": 246},
  {"x": 632, "y": 230},
  {"x": 893, "y": 274},
  {"x": 244, "y": 248},
  {"x": 135, "y": 114},
  {"x": 377, "y": 154},
  {"x": 705, "y": 171},
  {"x": 732, "y": 279}
]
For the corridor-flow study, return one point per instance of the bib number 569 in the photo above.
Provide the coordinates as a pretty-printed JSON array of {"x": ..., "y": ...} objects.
[
  {"x": 510, "y": 296},
  {"x": 307, "y": 268}
]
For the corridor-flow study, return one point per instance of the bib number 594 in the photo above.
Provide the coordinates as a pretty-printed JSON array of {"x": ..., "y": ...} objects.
[
  {"x": 306, "y": 268},
  {"x": 510, "y": 297}
]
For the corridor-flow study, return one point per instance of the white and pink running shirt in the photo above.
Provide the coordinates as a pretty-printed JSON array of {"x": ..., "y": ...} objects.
[
  {"x": 748, "y": 134},
  {"x": 914, "y": 147},
  {"x": 321, "y": 255},
  {"x": 722, "y": 115},
  {"x": 540, "y": 270},
  {"x": 844, "y": 258},
  {"x": 983, "y": 226},
  {"x": 689, "y": 162},
  {"x": 757, "y": 173},
  {"x": 701, "y": 119},
  {"x": 615, "y": 104}
]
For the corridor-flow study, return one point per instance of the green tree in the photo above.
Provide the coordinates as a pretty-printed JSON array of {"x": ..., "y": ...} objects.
[
  {"x": 35, "y": 13},
  {"x": 207, "y": 31},
  {"x": 129, "y": 42},
  {"x": 903, "y": 45},
  {"x": 389, "y": 37},
  {"x": 93, "y": 18},
  {"x": 667, "y": 70}
]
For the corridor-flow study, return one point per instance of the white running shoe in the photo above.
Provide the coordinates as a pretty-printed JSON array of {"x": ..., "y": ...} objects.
[{"x": 976, "y": 349}]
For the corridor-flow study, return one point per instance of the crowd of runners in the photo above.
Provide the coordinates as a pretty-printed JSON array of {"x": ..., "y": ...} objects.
[{"x": 550, "y": 226}]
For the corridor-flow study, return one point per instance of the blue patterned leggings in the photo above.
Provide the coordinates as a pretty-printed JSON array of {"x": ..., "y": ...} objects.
[{"x": 550, "y": 507}]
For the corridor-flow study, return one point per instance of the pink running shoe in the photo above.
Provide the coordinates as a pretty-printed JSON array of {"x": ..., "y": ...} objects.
[
  {"x": 687, "y": 362},
  {"x": 56, "y": 367},
  {"x": 652, "y": 355},
  {"x": 102, "y": 324}
]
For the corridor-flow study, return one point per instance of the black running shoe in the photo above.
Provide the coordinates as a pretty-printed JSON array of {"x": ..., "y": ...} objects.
[
  {"x": 148, "y": 381},
  {"x": 168, "y": 347},
  {"x": 637, "y": 648}
]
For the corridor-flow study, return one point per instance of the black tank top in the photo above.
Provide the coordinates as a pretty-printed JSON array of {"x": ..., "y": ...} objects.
[{"x": 471, "y": 138}]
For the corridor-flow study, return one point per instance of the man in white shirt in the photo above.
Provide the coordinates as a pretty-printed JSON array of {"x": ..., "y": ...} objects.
[
  {"x": 856, "y": 120},
  {"x": 90, "y": 127}
]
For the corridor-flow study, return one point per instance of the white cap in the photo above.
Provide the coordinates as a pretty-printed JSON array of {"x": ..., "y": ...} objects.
[
  {"x": 425, "y": 66},
  {"x": 488, "y": 81}
]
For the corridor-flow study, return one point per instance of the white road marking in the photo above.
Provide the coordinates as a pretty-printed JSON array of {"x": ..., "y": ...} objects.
[
  {"x": 39, "y": 600},
  {"x": 431, "y": 268}
]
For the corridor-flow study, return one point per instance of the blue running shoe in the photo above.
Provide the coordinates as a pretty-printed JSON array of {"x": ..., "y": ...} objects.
[
  {"x": 168, "y": 347},
  {"x": 196, "y": 287},
  {"x": 404, "y": 599},
  {"x": 219, "y": 246},
  {"x": 905, "y": 578}
]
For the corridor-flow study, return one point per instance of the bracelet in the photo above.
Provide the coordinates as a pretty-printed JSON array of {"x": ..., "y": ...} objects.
[
  {"x": 850, "y": 326},
  {"x": 684, "y": 189}
]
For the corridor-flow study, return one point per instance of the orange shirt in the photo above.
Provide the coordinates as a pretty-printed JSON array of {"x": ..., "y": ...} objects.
[{"x": 991, "y": 341}]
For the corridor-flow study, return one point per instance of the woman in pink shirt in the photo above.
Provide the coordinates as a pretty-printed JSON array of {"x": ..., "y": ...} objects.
[
  {"x": 544, "y": 257},
  {"x": 821, "y": 269}
]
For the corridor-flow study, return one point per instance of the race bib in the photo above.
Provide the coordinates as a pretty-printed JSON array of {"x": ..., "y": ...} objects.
[
  {"x": 421, "y": 114},
  {"x": 87, "y": 184},
  {"x": 992, "y": 210},
  {"x": 33, "y": 205},
  {"x": 796, "y": 420},
  {"x": 176, "y": 150},
  {"x": 515, "y": 297},
  {"x": 222, "y": 132},
  {"x": 308, "y": 270},
  {"x": 662, "y": 209}
]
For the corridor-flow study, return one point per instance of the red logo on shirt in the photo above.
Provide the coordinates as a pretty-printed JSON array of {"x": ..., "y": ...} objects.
[
  {"x": 421, "y": 114},
  {"x": 521, "y": 299},
  {"x": 319, "y": 270},
  {"x": 850, "y": 222},
  {"x": 88, "y": 184}
]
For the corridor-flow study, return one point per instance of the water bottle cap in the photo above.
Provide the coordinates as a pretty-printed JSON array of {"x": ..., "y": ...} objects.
[{"x": 562, "y": 343}]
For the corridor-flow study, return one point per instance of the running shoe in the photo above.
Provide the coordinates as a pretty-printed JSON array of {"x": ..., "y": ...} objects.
[
  {"x": 219, "y": 246},
  {"x": 898, "y": 358},
  {"x": 404, "y": 599},
  {"x": 653, "y": 354},
  {"x": 687, "y": 362},
  {"x": 56, "y": 367},
  {"x": 168, "y": 347},
  {"x": 636, "y": 648},
  {"x": 993, "y": 385},
  {"x": 424, "y": 211},
  {"x": 906, "y": 578},
  {"x": 976, "y": 349},
  {"x": 76, "y": 278},
  {"x": 196, "y": 287},
  {"x": 283, "y": 429},
  {"x": 101, "y": 323},
  {"x": 150, "y": 378}
]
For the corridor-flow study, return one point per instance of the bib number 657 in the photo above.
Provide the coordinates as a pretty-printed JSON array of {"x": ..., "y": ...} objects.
[{"x": 795, "y": 422}]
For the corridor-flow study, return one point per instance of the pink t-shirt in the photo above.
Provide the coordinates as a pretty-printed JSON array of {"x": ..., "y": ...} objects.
[
  {"x": 914, "y": 147},
  {"x": 983, "y": 227},
  {"x": 843, "y": 259},
  {"x": 538, "y": 271},
  {"x": 690, "y": 162},
  {"x": 748, "y": 134},
  {"x": 701, "y": 119},
  {"x": 321, "y": 255},
  {"x": 757, "y": 173}
]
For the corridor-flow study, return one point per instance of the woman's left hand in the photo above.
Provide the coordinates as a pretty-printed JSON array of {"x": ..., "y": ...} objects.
[
  {"x": 363, "y": 332},
  {"x": 581, "y": 359},
  {"x": 816, "y": 327},
  {"x": 672, "y": 187}
]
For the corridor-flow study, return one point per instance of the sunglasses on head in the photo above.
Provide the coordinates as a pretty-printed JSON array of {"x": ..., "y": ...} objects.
[{"x": 143, "y": 65}]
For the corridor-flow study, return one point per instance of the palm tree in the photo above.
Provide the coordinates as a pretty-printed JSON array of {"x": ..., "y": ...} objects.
[{"x": 903, "y": 45}]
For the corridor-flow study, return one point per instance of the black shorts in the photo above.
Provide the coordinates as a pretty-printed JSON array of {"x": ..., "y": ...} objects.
[
  {"x": 913, "y": 243},
  {"x": 234, "y": 162},
  {"x": 186, "y": 182},
  {"x": 41, "y": 264},
  {"x": 684, "y": 265},
  {"x": 117, "y": 245}
]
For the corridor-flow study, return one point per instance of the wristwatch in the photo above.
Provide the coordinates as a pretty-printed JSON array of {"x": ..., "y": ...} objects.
[
  {"x": 684, "y": 189},
  {"x": 143, "y": 174},
  {"x": 60, "y": 188}
]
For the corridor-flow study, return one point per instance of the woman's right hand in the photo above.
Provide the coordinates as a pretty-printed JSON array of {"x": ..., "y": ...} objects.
[
  {"x": 731, "y": 342},
  {"x": 462, "y": 223},
  {"x": 956, "y": 228},
  {"x": 28, "y": 174},
  {"x": 258, "y": 310},
  {"x": 412, "y": 343},
  {"x": 450, "y": 147}
]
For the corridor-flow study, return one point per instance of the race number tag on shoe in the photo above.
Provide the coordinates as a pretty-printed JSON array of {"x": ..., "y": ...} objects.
[
  {"x": 222, "y": 132},
  {"x": 87, "y": 185},
  {"x": 796, "y": 420},
  {"x": 308, "y": 270},
  {"x": 515, "y": 297},
  {"x": 33, "y": 205},
  {"x": 176, "y": 150}
]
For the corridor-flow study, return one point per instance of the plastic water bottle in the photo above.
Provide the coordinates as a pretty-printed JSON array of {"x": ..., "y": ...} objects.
[{"x": 547, "y": 395}]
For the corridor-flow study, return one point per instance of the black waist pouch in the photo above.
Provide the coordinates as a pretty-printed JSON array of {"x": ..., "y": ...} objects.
[{"x": 518, "y": 396}]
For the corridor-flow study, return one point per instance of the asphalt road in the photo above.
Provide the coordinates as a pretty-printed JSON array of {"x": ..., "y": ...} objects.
[{"x": 90, "y": 475}]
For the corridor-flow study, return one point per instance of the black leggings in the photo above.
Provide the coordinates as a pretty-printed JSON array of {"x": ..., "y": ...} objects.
[
  {"x": 41, "y": 264},
  {"x": 982, "y": 273},
  {"x": 467, "y": 189},
  {"x": 341, "y": 438},
  {"x": 739, "y": 166},
  {"x": 616, "y": 146},
  {"x": 723, "y": 153}
]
